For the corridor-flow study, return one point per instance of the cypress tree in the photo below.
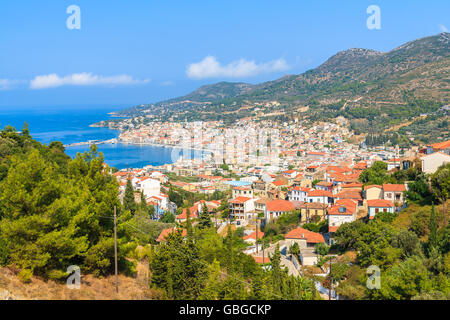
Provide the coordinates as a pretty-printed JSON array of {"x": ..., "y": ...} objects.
[
  {"x": 128, "y": 200},
  {"x": 275, "y": 261}
]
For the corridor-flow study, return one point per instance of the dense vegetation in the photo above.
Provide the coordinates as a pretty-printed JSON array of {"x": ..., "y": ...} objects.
[
  {"x": 56, "y": 212},
  {"x": 411, "y": 249},
  {"x": 208, "y": 266}
]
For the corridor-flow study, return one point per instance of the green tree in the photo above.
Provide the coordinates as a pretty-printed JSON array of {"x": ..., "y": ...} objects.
[
  {"x": 204, "y": 220},
  {"x": 275, "y": 262},
  {"x": 129, "y": 202}
]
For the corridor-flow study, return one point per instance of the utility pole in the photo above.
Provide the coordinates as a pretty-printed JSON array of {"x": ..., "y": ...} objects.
[
  {"x": 263, "y": 250},
  {"x": 330, "y": 280},
  {"x": 115, "y": 250},
  {"x": 257, "y": 234}
]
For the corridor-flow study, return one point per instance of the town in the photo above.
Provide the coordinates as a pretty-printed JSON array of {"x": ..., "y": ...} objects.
[{"x": 318, "y": 178}]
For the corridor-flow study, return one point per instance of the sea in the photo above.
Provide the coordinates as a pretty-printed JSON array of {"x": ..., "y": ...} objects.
[{"x": 72, "y": 124}]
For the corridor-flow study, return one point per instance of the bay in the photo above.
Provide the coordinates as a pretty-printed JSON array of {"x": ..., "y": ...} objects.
[{"x": 72, "y": 124}]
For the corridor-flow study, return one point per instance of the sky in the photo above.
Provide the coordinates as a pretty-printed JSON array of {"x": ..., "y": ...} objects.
[{"x": 126, "y": 53}]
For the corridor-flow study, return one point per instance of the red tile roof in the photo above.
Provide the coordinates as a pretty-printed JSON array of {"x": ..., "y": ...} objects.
[
  {"x": 441, "y": 145},
  {"x": 297, "y": 188},
  {"x": 279, "y": 183},
  {"x": 253, "y": 235},
  {"x": 280, "y": 206},
  {"x": 372, "y": 186},
  {"x": 240, "y": 200},
  {"x": 165, "y": 232},
  {"x": 352, "y": 185},
  {"x": 309, "y": 236},
  {"x": 381, "y": 203},
  {"x": 349, "y": 194},
  {"x": 260, "y": 259},
  {"x": 349, "y": 205},
  {"x": 319, "y": 193},
  {"x": 394, "y": 187},
  {"x": 324, "y": 184},
  {"x": 193, "y": 213}
]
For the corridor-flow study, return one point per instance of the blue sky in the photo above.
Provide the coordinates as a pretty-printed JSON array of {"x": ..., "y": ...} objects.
[{"x": 132, "y": 52}]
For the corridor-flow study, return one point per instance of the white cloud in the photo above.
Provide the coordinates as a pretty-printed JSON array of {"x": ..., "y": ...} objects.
[
  {"x": 168, "y": 83},
  {"x": 7, "y": 84},
  {"x": 209, "y": 67},
  {"x": 82, "y": 79},
  {"x": 443, "y": 28}
]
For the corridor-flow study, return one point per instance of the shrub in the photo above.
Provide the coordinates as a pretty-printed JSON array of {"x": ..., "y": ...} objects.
[{"x": 25, "y": 275}]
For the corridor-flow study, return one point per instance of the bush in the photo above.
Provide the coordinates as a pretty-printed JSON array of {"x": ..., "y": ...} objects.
[
  {"x": 25, "y": 275},
  {"x": 57, "y": 275},
  {"x": 4, "y": 253}
]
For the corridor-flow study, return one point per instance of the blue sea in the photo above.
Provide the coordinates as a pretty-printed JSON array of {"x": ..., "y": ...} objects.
[{"x": 71, "y": 125}]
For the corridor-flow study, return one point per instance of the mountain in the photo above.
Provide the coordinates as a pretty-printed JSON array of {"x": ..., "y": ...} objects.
[{"x": 373, "y": 89}]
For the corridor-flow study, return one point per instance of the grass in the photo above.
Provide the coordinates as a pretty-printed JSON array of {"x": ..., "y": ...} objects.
[{"x": 130, "y": 288}]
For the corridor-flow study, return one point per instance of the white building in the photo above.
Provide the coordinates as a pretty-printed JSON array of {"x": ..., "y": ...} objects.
[
  {"x": 432, "y": 162},
  {"x": 299, "y": 194},
  {"x": 150, "y": 187}
]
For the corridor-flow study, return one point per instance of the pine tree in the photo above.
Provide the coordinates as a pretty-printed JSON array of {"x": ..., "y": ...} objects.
[
  {"x": 143, "y": 203},
  {"x": 275, "y": 261},
  {"x": 204, "y": 219},
  {"x": 128, "y": 201}
]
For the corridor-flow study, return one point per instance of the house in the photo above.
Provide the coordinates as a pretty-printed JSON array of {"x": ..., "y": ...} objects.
[
  {"x": 373, "y": 192},
  {"x": 251, "y": 238},
  {"x": 304, "y": 238},
  {"x": 244, "y": 191},
  {"x": 394, "y": 164},
  {"x": 278, "y": 184},
  {"x": 307, "y": 240},
  {"x": 314, "y": 211},
  {"x": 379, "y": 205},
  {"x": 260, "y": 204},
  {"x": 320, "y": 196},
  {"x": 324, "y": 185},
  {"x": 298, "y": 194},
  {"x": 431, "y": 162},
  {"x": 184, "y": 185},
  {"x": 150, "y": 187},
  {"x": 394, "y": 193},
  {"x": 350, "y": 194},
  {"x": 351, "y": 186},
  {"x": 344, "y": 211},
  {"x": 290, "y": 174},
  {"x": 193, "y": 213},
  {"x": 242, "y": 208},
  {"x": 443, "y": 147},
  {"x": 276, "y": 208}
]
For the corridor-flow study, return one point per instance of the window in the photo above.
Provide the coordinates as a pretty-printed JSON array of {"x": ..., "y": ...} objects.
[{"x": 376, "y": 210}]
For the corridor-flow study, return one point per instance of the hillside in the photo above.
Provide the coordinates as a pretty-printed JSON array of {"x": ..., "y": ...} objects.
[
  {"x": 92, "y": 288},
  {"x": 375, "y": 90}
]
